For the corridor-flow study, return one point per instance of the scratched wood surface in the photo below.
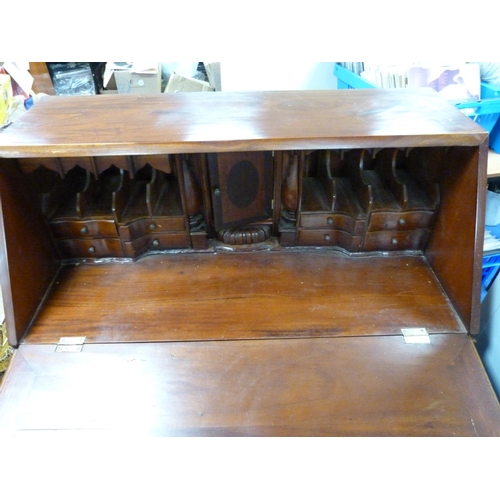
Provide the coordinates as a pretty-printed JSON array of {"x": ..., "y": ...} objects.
[{"x": 244, "y": 295}]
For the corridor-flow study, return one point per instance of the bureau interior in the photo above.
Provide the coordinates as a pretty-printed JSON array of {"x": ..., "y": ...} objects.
[
  {"x": 324, "y": 242},
  {"x": 355, "y": 200}
]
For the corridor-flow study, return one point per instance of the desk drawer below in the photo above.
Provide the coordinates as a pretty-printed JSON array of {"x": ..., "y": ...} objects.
[
  {"x": 396, "y": 240},
  {"x": 333, "y": 237},
  {"x": 90, "y": 248},
  {"x": 155, "y": 242}
]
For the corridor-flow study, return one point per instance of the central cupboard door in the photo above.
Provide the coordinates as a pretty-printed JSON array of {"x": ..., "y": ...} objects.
[{"x": 241, "y": 186}]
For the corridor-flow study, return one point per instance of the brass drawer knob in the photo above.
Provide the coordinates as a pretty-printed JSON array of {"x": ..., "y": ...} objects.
[
  {"x": 92, "y": 249},
  {"x": 84, "y": 230}
]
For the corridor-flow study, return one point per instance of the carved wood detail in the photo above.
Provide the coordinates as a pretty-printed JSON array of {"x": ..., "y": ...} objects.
[{"x": 245, "y": 235}]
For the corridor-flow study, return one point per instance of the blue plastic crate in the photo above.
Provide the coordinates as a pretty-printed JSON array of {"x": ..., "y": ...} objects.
[
  {"x": 489, "y": 91},
  {"x": 491, "y": 267},
  {"x": 485, "y": 112},
  {"x": 348, "y": 80}
]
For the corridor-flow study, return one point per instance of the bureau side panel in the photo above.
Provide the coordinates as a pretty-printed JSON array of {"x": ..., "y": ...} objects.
[
  {"x": 28, "y": 261},
  {"x": 456, "y": 245}
]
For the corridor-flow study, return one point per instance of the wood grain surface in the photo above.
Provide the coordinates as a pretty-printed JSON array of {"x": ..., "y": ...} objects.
[
  {"x": 237, "y": 121},
  {"x": 231, "y": 295},
  {"x": 377, "y": 386}
]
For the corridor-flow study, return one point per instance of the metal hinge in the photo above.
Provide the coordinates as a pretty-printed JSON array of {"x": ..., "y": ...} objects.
[
  {"x": 70, "y": 344},
  {"x": 416, "y": 335}
]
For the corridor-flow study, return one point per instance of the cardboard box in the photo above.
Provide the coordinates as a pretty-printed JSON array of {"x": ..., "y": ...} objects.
[
  {"x": 178, "y": 83},
  {"x": 132, "y": 80},
  {"x": 213, "y": 74},
  {"x": 21, "y": 79},
  {"x": 5, "y": 97}
]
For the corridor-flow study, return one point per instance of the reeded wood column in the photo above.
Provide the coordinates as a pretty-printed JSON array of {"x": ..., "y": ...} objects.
[
  {"x": 193, "y": 194},
  {"x": 290, "y": 187}
]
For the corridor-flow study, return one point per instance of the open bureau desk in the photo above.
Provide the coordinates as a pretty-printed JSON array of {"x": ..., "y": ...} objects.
[{"x": 287, "y": 246}]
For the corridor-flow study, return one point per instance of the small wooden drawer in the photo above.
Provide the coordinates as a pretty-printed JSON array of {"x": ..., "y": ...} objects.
[
  {"x": 147, "y": 226},
  {"x": 329, "y": 238},
  {"x": 400, "y": 221},
  {"x": 96, "y": 248},
  {"x": 396, "y": 240},
  {"x": 333, "y": 221},
  {"x": 165, "y": 241},
  {"x": 84, "y": 229}
]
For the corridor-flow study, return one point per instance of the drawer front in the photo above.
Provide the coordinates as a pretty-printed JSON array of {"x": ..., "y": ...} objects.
[
  {"x": 329, "y": 238},
  {"x": 147, "y": 226},
  {"x": 97, "y": 248},
  {"x": 84, "y": 229},
  {"x": 154, "y": 242},
  {"x": 396, "y": 240},
  {"x": 400, "y": 221},
  {"x": 333, "y": 221}
]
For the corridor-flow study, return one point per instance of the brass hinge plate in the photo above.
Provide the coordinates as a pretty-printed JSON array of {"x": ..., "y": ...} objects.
[
  {"x": 416, "y": 335},
  {"x": 70, "y": 344}
]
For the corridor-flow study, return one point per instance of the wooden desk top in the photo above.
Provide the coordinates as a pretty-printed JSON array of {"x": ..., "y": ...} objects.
[{"x": 235, "y": 121}]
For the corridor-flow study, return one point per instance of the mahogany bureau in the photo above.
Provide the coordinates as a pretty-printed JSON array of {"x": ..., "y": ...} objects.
[{"x": 332, "y": 239}]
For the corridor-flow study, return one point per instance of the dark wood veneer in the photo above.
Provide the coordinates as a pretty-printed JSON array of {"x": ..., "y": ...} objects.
[{"x": 327, "y": 221}]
